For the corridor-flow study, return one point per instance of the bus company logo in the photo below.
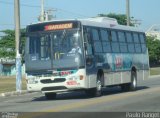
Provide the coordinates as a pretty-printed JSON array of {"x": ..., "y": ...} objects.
[
  {"x": 58, "y": 26},
  {"x": 118, "y": 62},
  {"x": 65, "y": 73},
  {"x": 72, "y": 82},
  {"x": 55, "y": 73}
]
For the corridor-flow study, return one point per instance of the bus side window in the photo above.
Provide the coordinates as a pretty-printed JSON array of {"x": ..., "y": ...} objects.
[
  {"x": 114, "y": 43},
  {"x": 88, "y": 42},
  {"x": 143, "y": 42},
  {"x": 109, "y": 36}
]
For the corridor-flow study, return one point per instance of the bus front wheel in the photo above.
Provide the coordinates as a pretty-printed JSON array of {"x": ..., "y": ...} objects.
[{"x": 95, "y": 92}]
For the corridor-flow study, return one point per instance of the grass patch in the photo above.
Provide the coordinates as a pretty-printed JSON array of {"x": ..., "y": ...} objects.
[
  {"x": 8, "y": 84},
  {"x": 155, "y": 71}
]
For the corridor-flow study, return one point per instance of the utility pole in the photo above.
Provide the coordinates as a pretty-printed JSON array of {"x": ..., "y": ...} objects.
[
  {"x": 18, "y": 56},
  {"x": 42, "y": 11},
  {"x": 128, "y": 12}
]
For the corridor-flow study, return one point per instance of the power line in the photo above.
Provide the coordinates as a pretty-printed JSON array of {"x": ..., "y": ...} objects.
[
  {"x": 6, "y": 24},
  {"x": 36, "y": 6},
  {"x": 26, "y": 5},
  {"x": 70, "y": 12}
]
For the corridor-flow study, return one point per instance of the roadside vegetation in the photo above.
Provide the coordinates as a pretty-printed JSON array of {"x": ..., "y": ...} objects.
[
  {"x": 8, "y": 84},
  {"x": 155, "y": 71}
]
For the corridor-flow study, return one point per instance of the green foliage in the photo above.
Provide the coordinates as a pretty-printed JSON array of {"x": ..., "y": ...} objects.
[
  {"x": 153, "y": 48},
  {"x": 7, "y": 44},
  {"x": 121, "y": 18}
]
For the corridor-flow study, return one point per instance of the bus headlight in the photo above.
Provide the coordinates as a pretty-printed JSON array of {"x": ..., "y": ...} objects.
[
  {"x": 32, "y": 80},
  {"x": 76, "y": 78}
]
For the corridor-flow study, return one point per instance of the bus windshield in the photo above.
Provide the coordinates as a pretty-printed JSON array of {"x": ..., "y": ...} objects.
[{"x": 60, "y": 49}]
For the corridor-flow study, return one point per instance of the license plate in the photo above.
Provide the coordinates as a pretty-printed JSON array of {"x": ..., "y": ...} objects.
[{"x": 72, "y": 83}]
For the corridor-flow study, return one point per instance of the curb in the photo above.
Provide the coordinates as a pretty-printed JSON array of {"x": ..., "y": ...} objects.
[{"x": 14, "y": 93}]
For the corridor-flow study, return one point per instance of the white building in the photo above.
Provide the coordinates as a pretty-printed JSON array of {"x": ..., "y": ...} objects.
[
  {"x": 8, "y": 67},
  {"x": 154, "y": 31}
]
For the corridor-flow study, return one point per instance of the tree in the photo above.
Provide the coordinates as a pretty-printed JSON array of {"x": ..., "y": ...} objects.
[
  {"x": 154, "y": 49},
  {"x": 121, "y": 18},
  {"x": 7, "y": 44}
]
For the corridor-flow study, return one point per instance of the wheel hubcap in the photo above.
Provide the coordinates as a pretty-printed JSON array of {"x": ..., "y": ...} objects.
[
  {"x": 134, "y": 82},
  {"x": 99, "y": 86}
]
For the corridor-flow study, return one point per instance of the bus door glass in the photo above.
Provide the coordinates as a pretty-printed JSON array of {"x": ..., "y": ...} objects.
[{"x": 88, "y": 47}]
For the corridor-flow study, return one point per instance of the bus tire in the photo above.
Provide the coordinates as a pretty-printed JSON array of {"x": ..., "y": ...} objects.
[
  {"x": 133, "y": 84},
  {"x": 130, "y": 86},
  {"x": 50, "y": 96},
  {"x": 96, "y": 92}
]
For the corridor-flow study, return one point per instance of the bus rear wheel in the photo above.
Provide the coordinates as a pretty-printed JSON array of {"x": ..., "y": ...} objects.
[
  {"x": 50, "y": 96},
  {"x": 133, "y": 84},
  {"x": 130, "y": 86}
]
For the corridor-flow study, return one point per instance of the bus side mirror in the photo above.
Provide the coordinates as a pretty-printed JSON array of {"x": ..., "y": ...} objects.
[
  {"x": 22, "y": 43},
  {"x": 85, "y": 48},
  {"x": 20, "y": 47}
]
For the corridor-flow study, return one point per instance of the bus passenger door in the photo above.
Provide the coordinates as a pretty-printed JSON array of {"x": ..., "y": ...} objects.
[
  {"x": 88, "y": 48},
  {"x": 90, "y": 66}
]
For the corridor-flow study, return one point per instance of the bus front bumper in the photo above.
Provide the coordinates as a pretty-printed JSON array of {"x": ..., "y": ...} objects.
[{"x": 56, "y": 87}]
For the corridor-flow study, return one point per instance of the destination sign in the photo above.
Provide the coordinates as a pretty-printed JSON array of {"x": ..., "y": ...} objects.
[
  {"x": 58, "y": 26},
  {"x": 53, "y": 26}
]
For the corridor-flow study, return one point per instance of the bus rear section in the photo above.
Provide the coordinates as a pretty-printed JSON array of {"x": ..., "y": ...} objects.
[{"x": 116, "y": 55}]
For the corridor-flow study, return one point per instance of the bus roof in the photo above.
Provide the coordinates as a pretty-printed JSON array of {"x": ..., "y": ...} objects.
[
  {"x": 107, "y": 23},
  {"x": 104, "y": 22}
]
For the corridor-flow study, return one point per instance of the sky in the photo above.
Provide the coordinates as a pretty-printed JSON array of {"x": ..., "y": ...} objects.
[{"x": 147, "y": 11}]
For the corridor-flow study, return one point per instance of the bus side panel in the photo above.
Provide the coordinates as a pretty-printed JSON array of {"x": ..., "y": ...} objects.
[
  {"x": 140, "y": 62},
  {"x": 126, "y": 77},
  {"x": 91, "y": 72},
  {"x": 108, "y": 79},
  {"x": 119, "y": 68},
  {"x": 117, "y": 78},
  {"x": 92, "y": 80}
]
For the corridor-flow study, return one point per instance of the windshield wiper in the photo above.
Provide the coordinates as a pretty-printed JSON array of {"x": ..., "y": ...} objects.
[{"x": 63, "y": 35}]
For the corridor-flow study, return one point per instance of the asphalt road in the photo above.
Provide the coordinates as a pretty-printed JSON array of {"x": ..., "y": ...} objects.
[{"x": 145, "y": 99}]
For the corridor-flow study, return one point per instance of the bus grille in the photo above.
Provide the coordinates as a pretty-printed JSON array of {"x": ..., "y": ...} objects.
[
  {"x": 53, "y": 88},
  {"x": 57, "y": 80}
]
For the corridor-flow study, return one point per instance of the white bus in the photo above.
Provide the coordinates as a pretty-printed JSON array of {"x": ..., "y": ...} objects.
[{"x": 85, "y": 54}]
